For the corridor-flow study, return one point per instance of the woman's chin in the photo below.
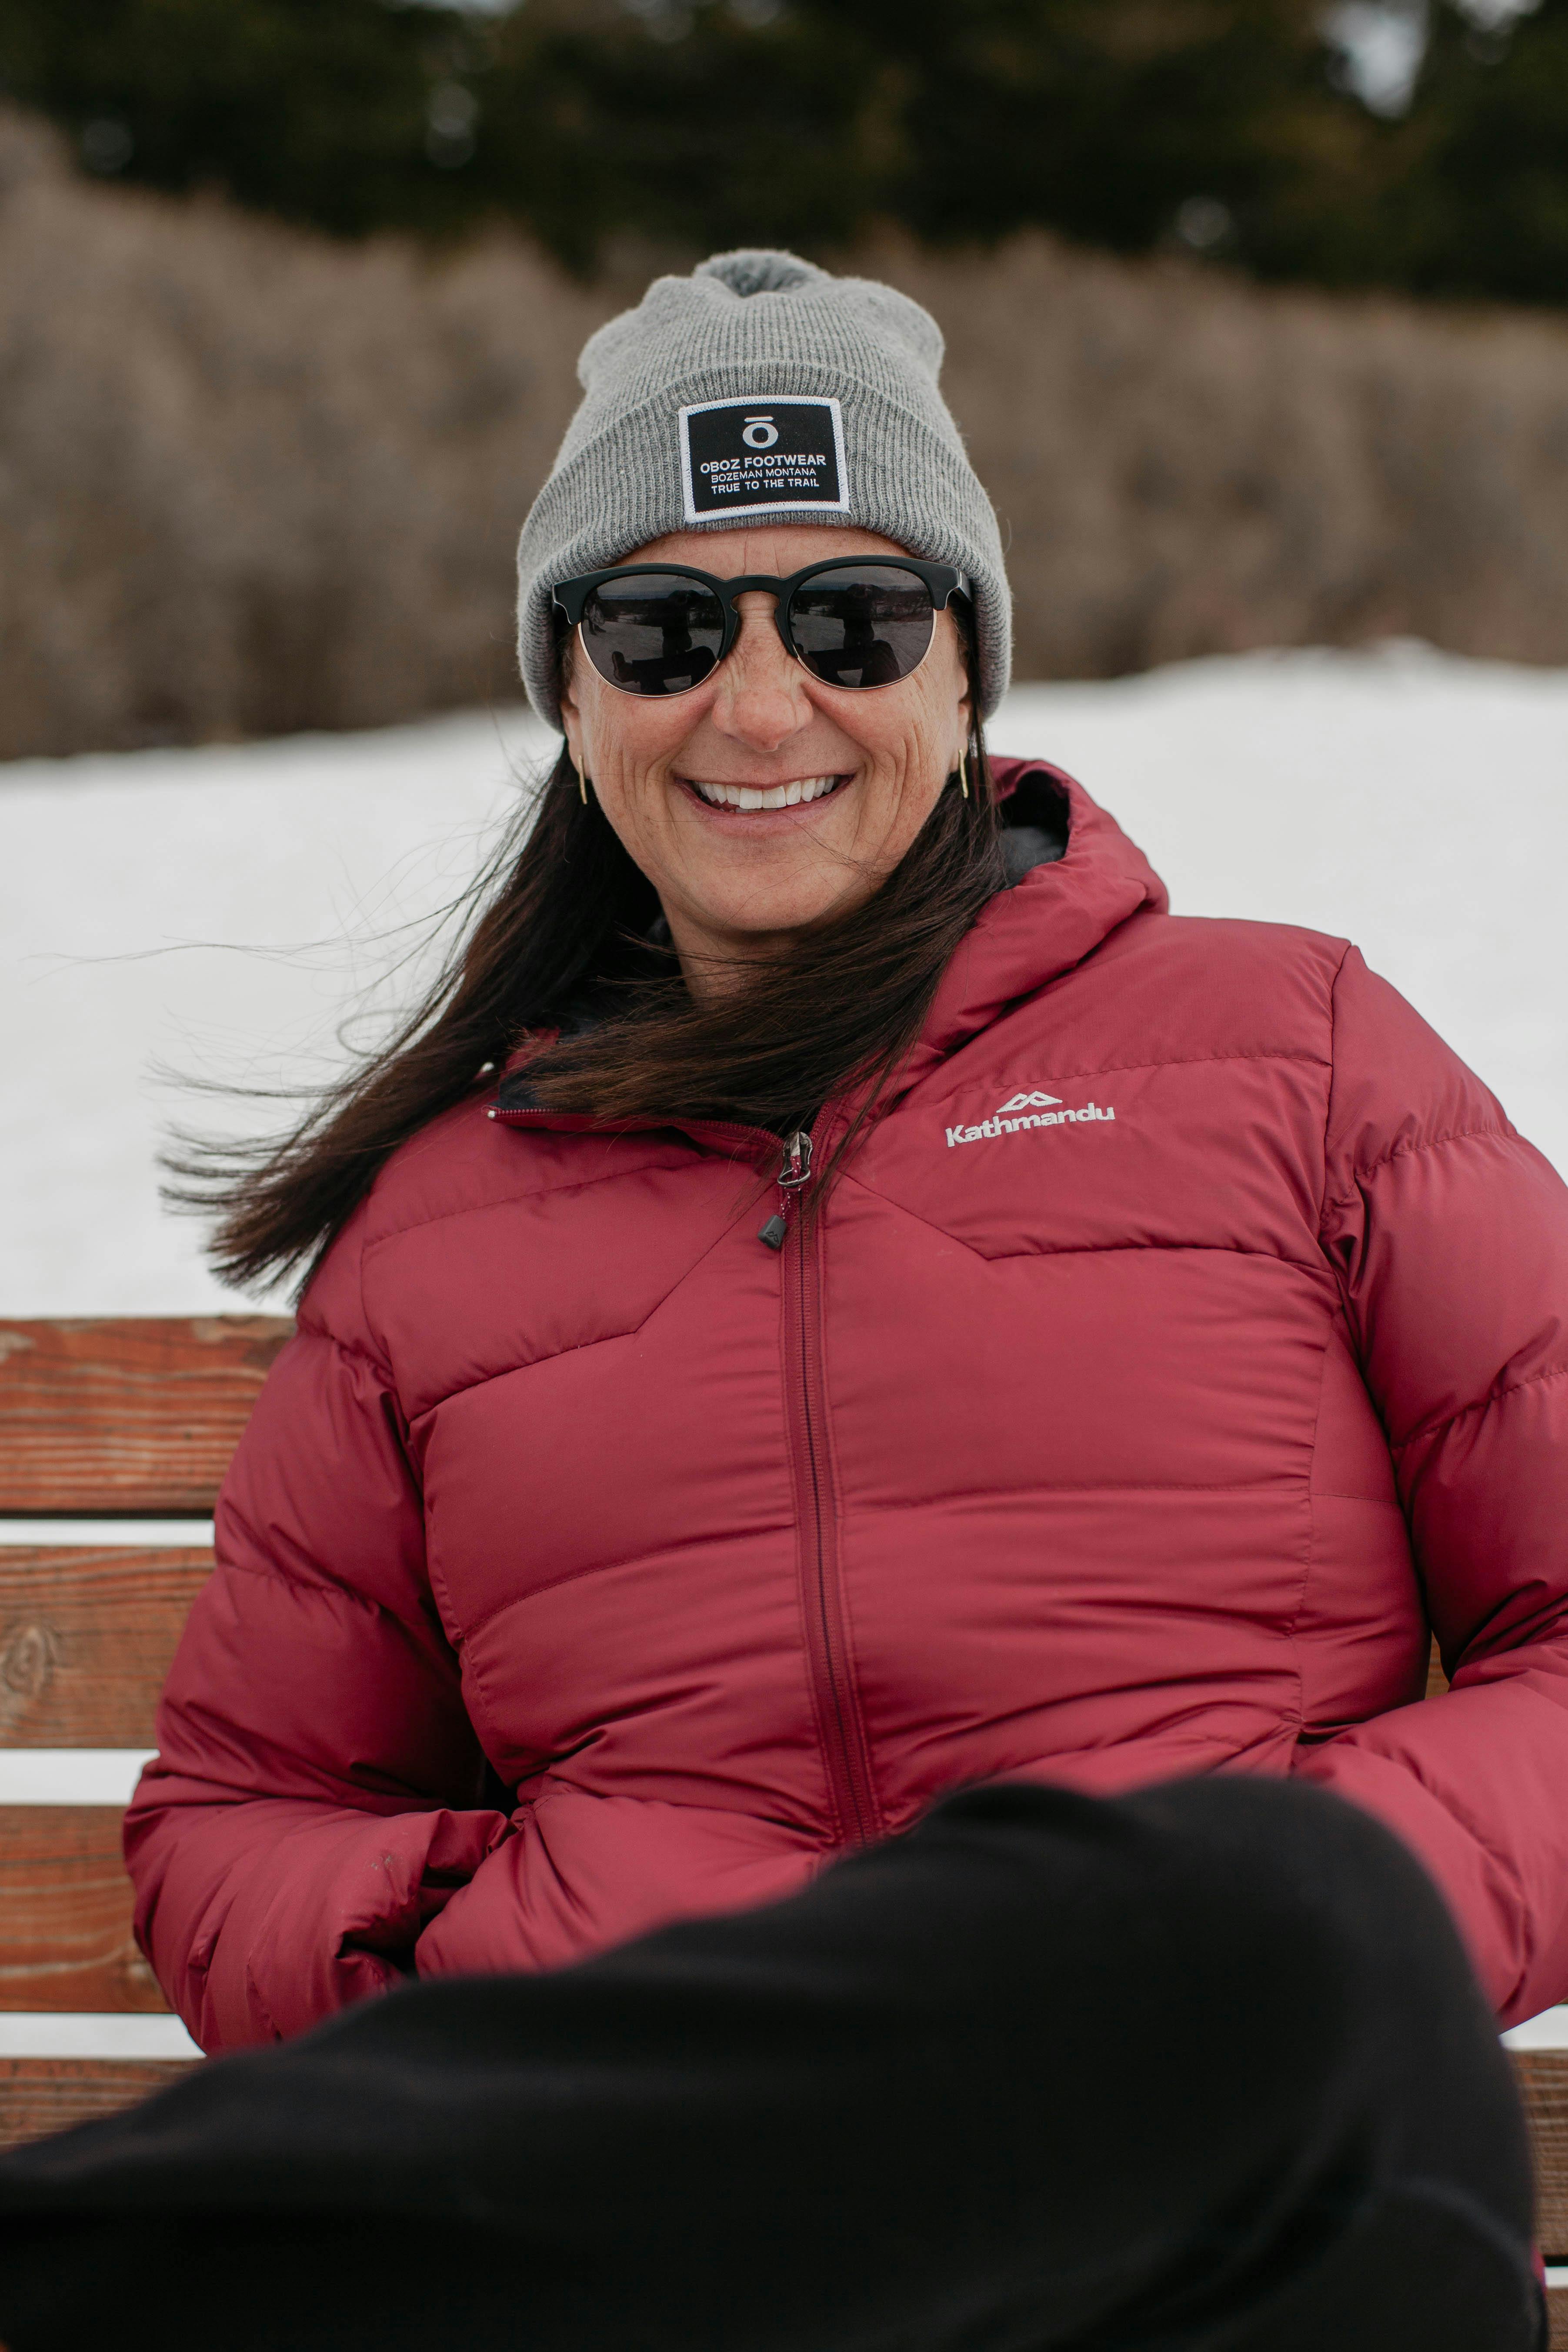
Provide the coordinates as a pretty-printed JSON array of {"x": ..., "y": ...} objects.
[
  {"x": 763, "y": 919},
  {"x": 795, "y": 863}
]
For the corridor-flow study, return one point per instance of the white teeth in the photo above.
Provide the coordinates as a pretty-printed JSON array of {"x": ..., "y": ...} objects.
[{"x": 772, "y": 796}]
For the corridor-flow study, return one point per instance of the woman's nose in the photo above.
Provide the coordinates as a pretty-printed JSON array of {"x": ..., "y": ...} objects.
[{"x": 762, "y": 700}]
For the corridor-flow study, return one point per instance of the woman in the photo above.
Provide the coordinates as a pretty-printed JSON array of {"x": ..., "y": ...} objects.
[{"x": 843, "y": 1297}]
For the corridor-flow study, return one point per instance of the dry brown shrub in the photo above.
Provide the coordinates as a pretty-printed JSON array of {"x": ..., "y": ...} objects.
[
  {"x": 1186, "y": 464},
  {"x": 252, "y": 481}
]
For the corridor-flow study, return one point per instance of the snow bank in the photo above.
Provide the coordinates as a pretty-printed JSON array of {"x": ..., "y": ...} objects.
[{"x": 220, "y": 910}]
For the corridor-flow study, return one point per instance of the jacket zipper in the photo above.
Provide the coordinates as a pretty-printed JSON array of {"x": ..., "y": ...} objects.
[{"x": 840, "y": 1730}]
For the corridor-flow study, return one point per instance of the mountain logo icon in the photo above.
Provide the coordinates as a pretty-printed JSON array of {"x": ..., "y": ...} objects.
[{"x": 1030, "y": 1102}]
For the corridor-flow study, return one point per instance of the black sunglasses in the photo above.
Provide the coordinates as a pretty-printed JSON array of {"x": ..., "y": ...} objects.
[{"x": 662, "y": 629}]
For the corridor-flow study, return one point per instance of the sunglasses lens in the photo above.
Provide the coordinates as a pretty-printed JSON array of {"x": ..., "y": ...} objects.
[
  {"x": 869, "y": 625},
  {"x": 653, "y": 632}
]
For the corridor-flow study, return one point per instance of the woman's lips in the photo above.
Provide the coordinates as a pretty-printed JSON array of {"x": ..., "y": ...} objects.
[{"x": 745, "y": 800}]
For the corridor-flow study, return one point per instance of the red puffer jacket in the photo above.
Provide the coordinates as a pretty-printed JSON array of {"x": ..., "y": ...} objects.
[{"x": 1191, "y": 1331}]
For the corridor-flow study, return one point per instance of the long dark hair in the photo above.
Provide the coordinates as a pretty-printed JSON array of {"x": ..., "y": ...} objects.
[{"x": 557, "y": 926}]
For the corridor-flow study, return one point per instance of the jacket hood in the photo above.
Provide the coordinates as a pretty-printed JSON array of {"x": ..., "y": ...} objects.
[{"x": 1062, "y": 908}]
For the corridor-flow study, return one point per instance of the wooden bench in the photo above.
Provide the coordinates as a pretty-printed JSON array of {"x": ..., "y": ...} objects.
[
  {"x": 114, "y": 1421},
  {"x": 126, "y": 1421}
]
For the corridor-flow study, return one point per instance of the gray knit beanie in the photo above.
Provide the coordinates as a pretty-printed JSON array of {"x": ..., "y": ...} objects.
[{"x": 760, "y": 385}]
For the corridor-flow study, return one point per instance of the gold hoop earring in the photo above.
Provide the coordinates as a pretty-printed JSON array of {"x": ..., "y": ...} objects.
[
  {"x": 963, "y": 773},
  {"x": 582, "y": 782}
]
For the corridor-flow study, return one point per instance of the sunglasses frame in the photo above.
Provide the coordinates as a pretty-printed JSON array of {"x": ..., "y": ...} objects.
[{"x": 569, "y": 597}]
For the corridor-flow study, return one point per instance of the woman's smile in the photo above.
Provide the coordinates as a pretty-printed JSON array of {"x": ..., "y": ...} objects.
[{"x": 749, "y": 799}]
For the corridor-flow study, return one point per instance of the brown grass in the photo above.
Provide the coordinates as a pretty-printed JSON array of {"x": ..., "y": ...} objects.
[{"x": 252, "y": 481}]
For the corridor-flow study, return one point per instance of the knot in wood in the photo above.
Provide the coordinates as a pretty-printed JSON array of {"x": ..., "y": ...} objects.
[{"x": 27, "y": 1662}]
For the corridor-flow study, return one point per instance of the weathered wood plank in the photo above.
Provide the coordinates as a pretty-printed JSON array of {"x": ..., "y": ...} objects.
[
  {"x": 39, "y": 2095},
  {"x": 1542, "y": 2078},
  {"x": 1557, "y": 2305},
  {"x": 85, "y": 1641},
  {"x": 127, "y": 1415},
  {"x": 65, "y": 1913}
]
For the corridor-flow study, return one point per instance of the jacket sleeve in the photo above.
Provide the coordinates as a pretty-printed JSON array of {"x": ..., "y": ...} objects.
[
  {"x": 1449, "y": 1237},
  {"x": 316, "y": 1795}
]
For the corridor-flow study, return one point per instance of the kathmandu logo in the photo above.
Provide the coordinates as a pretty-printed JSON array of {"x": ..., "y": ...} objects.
[{"x": 1025, "y": 1110}]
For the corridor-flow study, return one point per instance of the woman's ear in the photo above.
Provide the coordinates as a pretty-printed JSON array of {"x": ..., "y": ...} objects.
[
  {"x": 966, "y": 696},
  {"x": 571, "y": 716}
]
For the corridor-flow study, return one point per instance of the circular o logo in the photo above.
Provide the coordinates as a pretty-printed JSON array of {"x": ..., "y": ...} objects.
[{"x": 760, "y": 433}]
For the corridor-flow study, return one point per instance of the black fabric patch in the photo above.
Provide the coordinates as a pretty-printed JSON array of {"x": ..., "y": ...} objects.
[
  {"x": 763, "y": 457},
  {"x": 1036, "y": 824}
]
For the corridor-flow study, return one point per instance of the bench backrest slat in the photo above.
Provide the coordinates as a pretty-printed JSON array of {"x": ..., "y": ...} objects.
[
  {"x": 126, "y": 1416},
  {"x": 86, "y": 1642},
  {"x": 1542, "y": 2079},
  {"x": 66, "y": 1903},
  {"x": 38, "y": 2095}
]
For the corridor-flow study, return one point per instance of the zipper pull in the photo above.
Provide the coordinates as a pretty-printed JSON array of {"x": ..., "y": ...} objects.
[
  {"x": 794, "y": 1168},
  {"x": 793, "y": 1176}
]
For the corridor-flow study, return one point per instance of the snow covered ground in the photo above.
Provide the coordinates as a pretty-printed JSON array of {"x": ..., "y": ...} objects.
[{"x": 218, "y": 910}]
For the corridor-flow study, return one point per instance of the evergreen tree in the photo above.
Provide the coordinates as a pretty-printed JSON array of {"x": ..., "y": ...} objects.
[
  {"x": 1217, "y": 124},
  {"x": 318, "y": 109},
  {"x": 1485, "y": 210},
  {"x": 811, "y": 123}
]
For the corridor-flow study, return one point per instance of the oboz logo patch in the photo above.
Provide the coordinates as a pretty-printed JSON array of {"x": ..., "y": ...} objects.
[
  {"x": 1024, "y": 1111},
  {"x": 763, "y": 457}
]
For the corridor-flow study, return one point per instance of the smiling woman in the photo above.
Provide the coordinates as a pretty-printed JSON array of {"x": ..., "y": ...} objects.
[{"x": 976, "y": 1603}]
